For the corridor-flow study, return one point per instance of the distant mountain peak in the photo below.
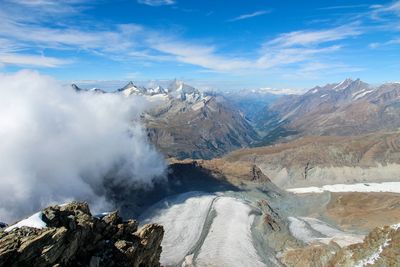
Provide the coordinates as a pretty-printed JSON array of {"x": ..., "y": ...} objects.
[
  {"x": 178, "y": 85},
  {"x": 76, "y": 87},
  {"x": 343, "y": 85},
  {"x": 128, "y": 85}
]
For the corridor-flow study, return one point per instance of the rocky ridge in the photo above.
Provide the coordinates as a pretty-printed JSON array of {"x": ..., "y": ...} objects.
[{"x": 73, "y": 237}]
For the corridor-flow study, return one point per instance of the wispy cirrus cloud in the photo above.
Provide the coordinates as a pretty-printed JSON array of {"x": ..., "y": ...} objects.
[
  {"x": 250, "y": 15},
  {"x": 157, "y": 2},
  {"x": 121, "y": 43},
  {"x": 311, "y": 37},
  {"x": 342, "y": 7},
  {"x": 395, "y": 41},
  {"x": 385, "y": 12},
  {"x": 32, "y": 60},
  {"x": 286, "y": 49}
]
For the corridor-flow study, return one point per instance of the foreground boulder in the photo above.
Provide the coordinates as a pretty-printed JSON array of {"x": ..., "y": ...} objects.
[{"x": 71, "y": 236}]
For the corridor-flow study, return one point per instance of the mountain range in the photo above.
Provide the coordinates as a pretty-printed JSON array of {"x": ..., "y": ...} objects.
[
  {"x": 351, "y": 107},
  {"x": 189, "y": 123}
]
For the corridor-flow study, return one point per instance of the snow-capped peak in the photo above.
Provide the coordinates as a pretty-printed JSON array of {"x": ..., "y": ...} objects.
[
  {"x": 131, "y": 88},
  {"x": 185, "y": 92},
  {"x": 156, "y": 90},
  {"x": 343, "y": 85}
]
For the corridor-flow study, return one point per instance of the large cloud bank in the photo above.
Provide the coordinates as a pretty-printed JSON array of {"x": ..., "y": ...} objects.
[{"x": 57, "y": 145}]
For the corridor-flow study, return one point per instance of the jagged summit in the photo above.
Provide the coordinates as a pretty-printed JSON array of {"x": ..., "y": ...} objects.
[
  {"x": 344, "y": 84},
  {"x": 183, "y": 91},
  {"x": 131, "y": 88},
  {"x": 175, "y": 90},
  {"x": 76, "y": 87}
]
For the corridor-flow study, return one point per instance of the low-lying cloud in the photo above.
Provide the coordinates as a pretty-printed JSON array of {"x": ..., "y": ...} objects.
[{"x": 57, "y": 145}]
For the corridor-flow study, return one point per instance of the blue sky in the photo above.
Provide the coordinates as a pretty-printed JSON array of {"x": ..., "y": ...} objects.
[{"x": 215, "y": 44}]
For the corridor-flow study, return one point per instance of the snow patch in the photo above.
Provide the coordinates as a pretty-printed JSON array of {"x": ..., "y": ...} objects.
[
  {"x": 310, "y": 229},
  {"x": 393, "y": 187},
  {"x": 34, "y": 221},
  {"x": 395, "y": 226},
  {"x": 361, "y": 94},
  {"x": 342, "y": 85},
  {"x": 299, "y": 230},
  {"x": 371, "y": 259}
]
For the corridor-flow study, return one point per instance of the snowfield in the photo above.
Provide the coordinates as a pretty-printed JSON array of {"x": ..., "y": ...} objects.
[
  {"x": 205, "y": 230},
  {"x": 34, "y": 221},
  {"x": 229, "y": 241},
  {"x": 183, "y": 218},
  {"x": 392, "y": 187},
  {"x": 311, "y": 230}
]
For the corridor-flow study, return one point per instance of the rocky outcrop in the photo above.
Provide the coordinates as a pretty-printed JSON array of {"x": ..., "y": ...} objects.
[
  {"x": 73, "y": 237},
  {"x": 380, "y": 248}
]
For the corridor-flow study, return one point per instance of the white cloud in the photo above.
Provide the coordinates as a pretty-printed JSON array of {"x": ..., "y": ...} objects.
[
  {"x": 342, "y": 7},
  {"x": 278, "y": 56},
  {"x": 395, "y": 41},
  {"x": 31, "y": 60},
  {"x": 289, "y": 48},
  {"x": 117, "y": 39},
  {"x": 203, "y": 56},
  {"x": 251, "y": 15},
  {"x": 380, "y": 11},
  {"x": 157, "y": 2},
  {"x": 58, "y": 145},
  {"x": 145, "y": 45},
  {"x": 315, "y": 37}
]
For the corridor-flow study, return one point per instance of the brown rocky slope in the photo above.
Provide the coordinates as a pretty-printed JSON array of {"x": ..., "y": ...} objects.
[{"x": 319, "y": 160}]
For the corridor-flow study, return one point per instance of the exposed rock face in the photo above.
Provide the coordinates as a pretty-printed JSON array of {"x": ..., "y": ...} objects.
[
  {"x": 73, "y": 237},
  {"x": 203, "y": 128}
]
